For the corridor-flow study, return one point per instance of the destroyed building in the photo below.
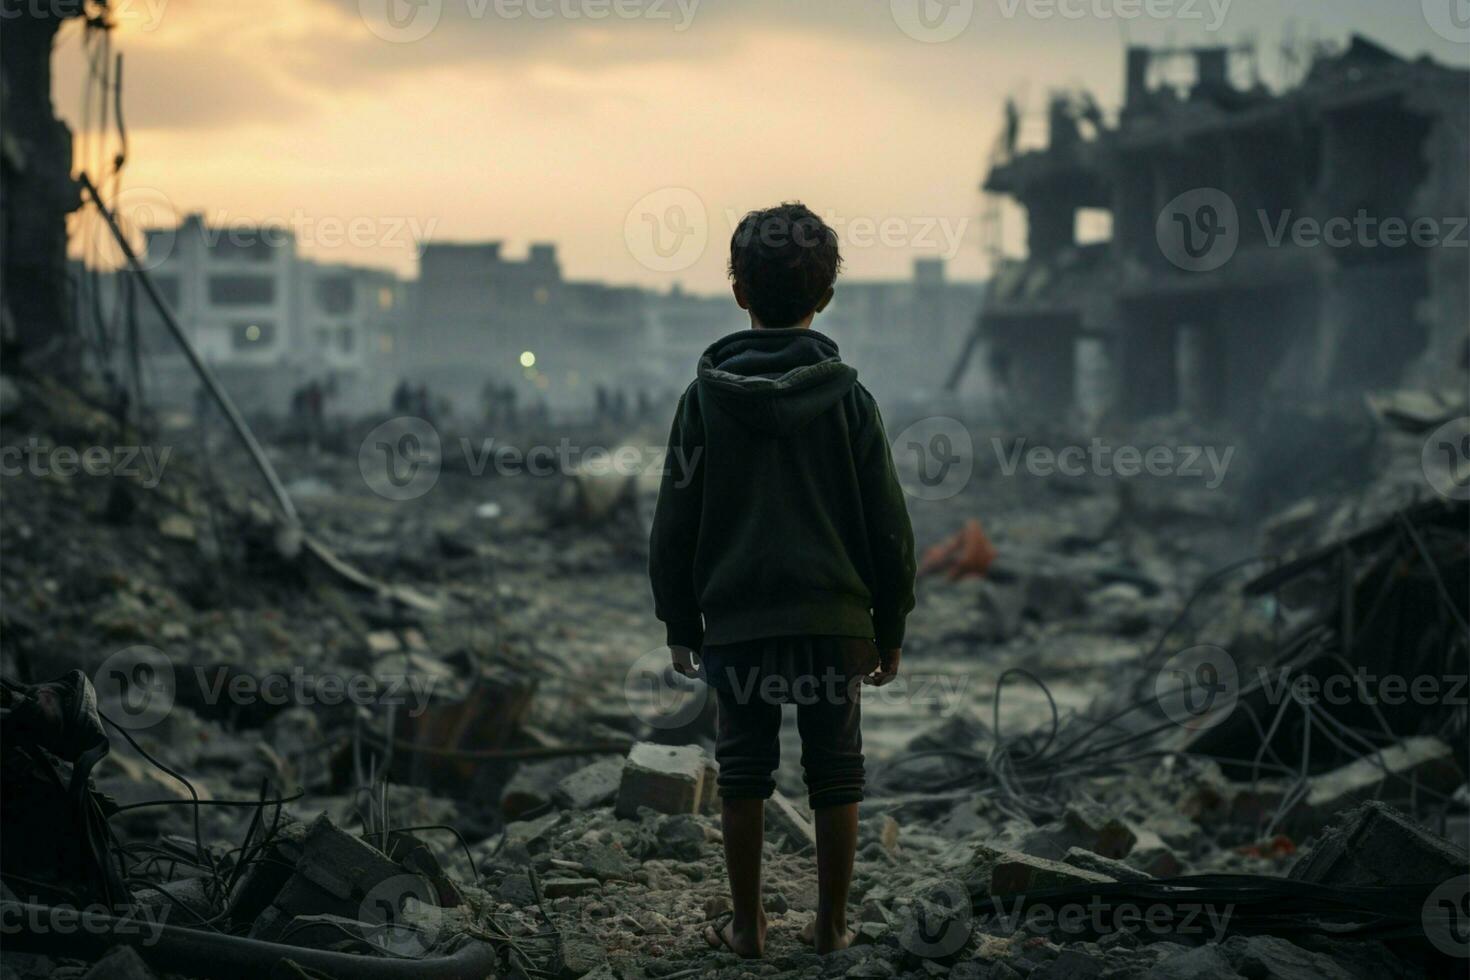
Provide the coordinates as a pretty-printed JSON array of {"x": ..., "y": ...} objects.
[
  {"x": 1269, "y": 314},
  {"x": 35, "y": 159}
]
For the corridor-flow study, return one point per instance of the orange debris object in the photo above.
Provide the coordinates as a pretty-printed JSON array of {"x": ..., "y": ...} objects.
[{"x": 967, "y": 554}]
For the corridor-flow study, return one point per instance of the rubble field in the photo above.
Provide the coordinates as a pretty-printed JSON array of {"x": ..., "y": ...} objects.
[{"x": 436, "y": 736}]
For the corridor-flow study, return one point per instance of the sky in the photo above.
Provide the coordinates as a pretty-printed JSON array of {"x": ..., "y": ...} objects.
[{"x": 632, "y": 133}]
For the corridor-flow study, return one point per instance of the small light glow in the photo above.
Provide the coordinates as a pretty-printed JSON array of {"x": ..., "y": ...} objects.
[
  {"x": 252, "y": 333},
  {"x": 528, "y": 359}
]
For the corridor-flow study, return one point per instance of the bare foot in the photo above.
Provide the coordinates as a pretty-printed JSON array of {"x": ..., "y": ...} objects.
[
  {"x": 829, "y": 940},
  {"x": 748, "y": 944}
]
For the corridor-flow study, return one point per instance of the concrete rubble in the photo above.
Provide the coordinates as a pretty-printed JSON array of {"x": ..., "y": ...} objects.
[{"x": 517, "y": 794}]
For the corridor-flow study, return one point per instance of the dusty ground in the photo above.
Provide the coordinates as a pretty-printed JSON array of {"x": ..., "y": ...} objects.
[{"x": 1090, "y": 575}]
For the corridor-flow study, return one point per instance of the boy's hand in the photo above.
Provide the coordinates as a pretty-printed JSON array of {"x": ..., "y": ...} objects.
[
  {"x": 683, "y": 660},
  {"x": 888, "y": 661}
]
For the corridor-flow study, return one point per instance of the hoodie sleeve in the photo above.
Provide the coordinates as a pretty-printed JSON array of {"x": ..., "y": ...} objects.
[
  {"x": 676, "y": 530},
  {"x": 890, "y": 535}
]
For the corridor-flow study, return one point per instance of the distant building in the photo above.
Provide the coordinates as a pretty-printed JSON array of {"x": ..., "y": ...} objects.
[
  {"x": 1130, "y": 326},
  {"x": 350, "y": 319},
  {"x": 480, "y": 317},
  {"x": 235, "y": 289},
  {"x": 477, "y": 322},
  {"x": 684, "y": 325},
  {"x": 903, "y": 335},
  {"x": 265, "y": 319}
]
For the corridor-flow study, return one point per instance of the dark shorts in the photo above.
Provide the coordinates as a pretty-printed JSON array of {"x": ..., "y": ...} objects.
[{"x": 822, "y": 676}]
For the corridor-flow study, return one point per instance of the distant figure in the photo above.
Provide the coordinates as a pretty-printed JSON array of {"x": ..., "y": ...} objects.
[
  {"x": 491, "y": 398},
  {"x": 512, "y": 411},
  {"x": 422, "y": 406},
  {"x": 313, "y": 406},
  {"x": 402, "y": 398},
  {"x": 782, "y": 552}
]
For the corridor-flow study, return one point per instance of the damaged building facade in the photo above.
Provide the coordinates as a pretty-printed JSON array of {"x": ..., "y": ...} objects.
[
  {"x": 1264, "y": 248},
  {"x": 266, "y": 318}
]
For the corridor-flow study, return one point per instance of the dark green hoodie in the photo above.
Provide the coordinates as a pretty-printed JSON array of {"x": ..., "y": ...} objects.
[{"x": 780, "y": 513}]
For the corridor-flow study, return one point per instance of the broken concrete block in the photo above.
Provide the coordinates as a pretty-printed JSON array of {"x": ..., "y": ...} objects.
[
  {"x": 997, "y": 872},
  {"x": 533, "y": 835},
  {"x": 1375, "y": 845},
  {"x": 334, "y": 872},
  {"x": 568, "y": 887},
  {"x": 664, "y": 778},
  {"x": 178, "y": 527},
  {"x": 382, "y": 642},
  {"x": 591, "y": 786},
  {"x": 681, "y": 838},
  {"x": 515, "y": 889},
  {"x": 582, "y": 956},
  {"x": 785, "y": 822},
  {"x": 532, "y": 788},
  {"x": 1084, "y": 826},
  {"x": 1116, "y": 870},
  {"x": 1426, "y": 763},
  {"x": 1154, "y": 857}
]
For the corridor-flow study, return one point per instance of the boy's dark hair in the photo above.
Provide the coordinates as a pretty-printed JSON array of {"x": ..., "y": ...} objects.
[{"x": 784, "y": 259}]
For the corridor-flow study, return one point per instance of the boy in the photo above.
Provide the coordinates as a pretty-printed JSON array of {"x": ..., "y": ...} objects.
[{"x": 782, "y": 552}]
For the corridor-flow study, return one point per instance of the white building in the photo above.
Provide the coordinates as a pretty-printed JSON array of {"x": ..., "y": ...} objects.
[{"x": 265, "y": 319}]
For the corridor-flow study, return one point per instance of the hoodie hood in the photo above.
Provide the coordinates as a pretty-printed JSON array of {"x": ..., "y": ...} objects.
[{"x": 775, "y": 381}]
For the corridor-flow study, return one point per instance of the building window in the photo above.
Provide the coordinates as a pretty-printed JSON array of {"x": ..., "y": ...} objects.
[
  {"x": 323, "y": 338},
  {"x": 168, "y": 288},
  {"x": 334, "y": 294},
  {"x": 252, "y": 335},
  {"x": 242, "y": 244},
  {"x": 241, "y": 290},
  {"x": 346, "y": 339}
]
